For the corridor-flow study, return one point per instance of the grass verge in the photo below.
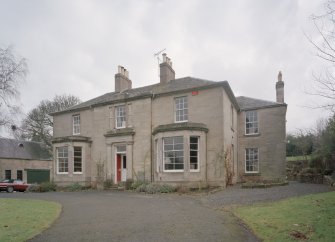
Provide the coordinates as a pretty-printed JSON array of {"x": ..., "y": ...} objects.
[
  {"x": 306, "y": 218},
  {"x": 22, "y": 219}
]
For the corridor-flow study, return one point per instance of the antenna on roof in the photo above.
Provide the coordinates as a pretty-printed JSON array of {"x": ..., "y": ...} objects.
[{"x": 158, "y": 59}]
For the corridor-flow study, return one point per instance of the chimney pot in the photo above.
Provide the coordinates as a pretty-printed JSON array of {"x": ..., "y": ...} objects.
[
  {"x": 280, "y": 88},
  {"x": 122, "y": 81},
  {"x": 166, "y": 72}
]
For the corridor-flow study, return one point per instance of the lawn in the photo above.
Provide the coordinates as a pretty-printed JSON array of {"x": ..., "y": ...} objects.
[
  {"x": 22, "y": 219},
  {"x": 306, "y": 218}
]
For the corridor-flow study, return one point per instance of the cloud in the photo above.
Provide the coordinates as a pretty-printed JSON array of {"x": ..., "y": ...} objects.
[{"x": 75, "y": 46}]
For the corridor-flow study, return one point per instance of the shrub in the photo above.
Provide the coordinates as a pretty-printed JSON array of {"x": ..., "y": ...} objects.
[
  {"x": 47, "y": 187},
  {"x": 165, "y": 188},
  {"x": 141, "y": 188},
  {"x": 108, "y": 184},
  {"x": 74, "y": 187},
  {"x": 155, "y": 188},
  {"x": 137, "y": 184}
]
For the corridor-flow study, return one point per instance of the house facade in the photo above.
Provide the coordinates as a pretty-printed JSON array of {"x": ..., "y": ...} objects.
[
  {"x": 25, "y": 160},
  {"x": 179, "y": 131}
]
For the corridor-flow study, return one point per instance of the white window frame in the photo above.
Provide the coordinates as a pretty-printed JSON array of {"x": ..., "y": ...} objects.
[
  {"x": 81, "y": 159},
  {"x": 252, "y": 160},
  {"x": 181, "y": 109},
  {"x": 194, "y": 150},
  {"x": 253, "y": 122},
  {"x": 121, "y": 109},
  {"x": 62, "y": 157},
  {"x": 173, "y": 150},
  {"x": 76, "y": 124}
]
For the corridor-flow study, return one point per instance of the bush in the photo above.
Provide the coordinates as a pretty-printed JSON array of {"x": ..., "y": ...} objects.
[
  {"x": 165, "y": 188},
  {"x": 48, "y": 186},
  {"x": 43, "y": 187},
  {"x": 108, "y": 184},
  {"x": 141, "y": 188},
  {"x": 137, "y": 184},
  {"x": 155, "y": 188},
  {"x": 74, "y": 187}
]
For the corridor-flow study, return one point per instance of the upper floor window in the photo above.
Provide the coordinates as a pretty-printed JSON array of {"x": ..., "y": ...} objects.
[
  {"x": 251, "y": 160},
  {"x": 181, "y": 109},
  {"x": 120, "y": 116},
  {"x": 62, "y": 159},
  {"x": 173, "y": 154},
  {"x": 251, "y": 122},
  {"x": 77, "y": 159},
  {"x": 76, "y": 124}
]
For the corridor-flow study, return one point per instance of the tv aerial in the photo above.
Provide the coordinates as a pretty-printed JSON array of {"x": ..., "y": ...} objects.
[
  {"x": 158, "y": 59},
  {"x": 158, "y": 54}
]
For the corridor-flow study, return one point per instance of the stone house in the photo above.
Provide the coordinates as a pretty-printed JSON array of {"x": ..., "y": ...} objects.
[
  {"x": 180, "y": 131},
  {"x": 24, "y": 160}
]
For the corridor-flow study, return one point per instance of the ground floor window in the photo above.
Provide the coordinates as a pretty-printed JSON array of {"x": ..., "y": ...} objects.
[
  {"x": 173, "y": 153},
  {"x": 62, "y": 159},
  {"x": 77, "y": 160},
  {"x": 194, "y": 153},
  {"x": 8, "y": 174},
  {"x": 19, "y": 175},
  {"x": 251, "y": 160}
]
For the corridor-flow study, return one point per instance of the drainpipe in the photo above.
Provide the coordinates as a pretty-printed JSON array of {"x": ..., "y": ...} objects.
[
  {"x": 151, "y": 149},
  {"x": 206, "y": 162}
]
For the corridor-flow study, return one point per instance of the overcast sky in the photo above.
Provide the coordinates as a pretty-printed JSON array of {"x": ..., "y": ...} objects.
[{"x": 74, "y": 47}]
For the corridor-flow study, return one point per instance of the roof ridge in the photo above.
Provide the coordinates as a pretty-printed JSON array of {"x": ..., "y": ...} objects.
[{"x": 18, "y": 140}]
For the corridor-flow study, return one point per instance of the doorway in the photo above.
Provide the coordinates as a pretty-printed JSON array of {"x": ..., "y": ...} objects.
[{"x": 121, "y": 167}]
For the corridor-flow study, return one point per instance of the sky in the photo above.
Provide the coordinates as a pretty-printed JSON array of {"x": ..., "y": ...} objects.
[{"x": 74, "y": 47}]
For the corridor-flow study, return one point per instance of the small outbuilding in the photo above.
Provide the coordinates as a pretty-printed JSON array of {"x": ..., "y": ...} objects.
[{"x": 25, "y": 160}]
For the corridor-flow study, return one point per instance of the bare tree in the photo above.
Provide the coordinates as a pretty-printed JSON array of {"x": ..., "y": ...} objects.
[
  {"x": 13, "y": 71},
  {"x": 38, "y": 125}
]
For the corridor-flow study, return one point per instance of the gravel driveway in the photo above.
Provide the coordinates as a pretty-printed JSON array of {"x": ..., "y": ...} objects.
[{"x": 128, "y": 216}]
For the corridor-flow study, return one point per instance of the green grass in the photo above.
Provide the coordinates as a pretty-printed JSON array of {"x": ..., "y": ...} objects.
[
  {"x": 22, "y": 219},
  {"x": 309, "y": 218}
]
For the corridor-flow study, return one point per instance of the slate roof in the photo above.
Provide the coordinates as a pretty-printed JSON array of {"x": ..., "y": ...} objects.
[
  {"x": 248, "y": 103},
  {"x": 18, "y": 149},
  {"x": 177, "y": 85}
]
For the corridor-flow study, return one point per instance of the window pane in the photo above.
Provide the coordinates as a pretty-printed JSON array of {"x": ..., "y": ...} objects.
[
  {"x": 19, "y": 174},
  {"x": 173, "y": 153},
  {"x": 251, "y": 122},
  {"x": 194, "y": 153},
  {"x": 251, "y": 160},
  {"x": 121, "y": 148},
  {"x": 120, "y": 116},
  {"x": 77, "y": 159},
  {"x": 76, "y": 124},
  {"x": 62, "y": 159},
  {"x": 181, "y": 109}
]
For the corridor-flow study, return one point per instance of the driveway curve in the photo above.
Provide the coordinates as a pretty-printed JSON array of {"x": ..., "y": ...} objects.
[{"x": 128, "y": 216}]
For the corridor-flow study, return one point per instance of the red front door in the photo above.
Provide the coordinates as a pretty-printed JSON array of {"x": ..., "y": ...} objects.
[{"x": 118, "y": 167}]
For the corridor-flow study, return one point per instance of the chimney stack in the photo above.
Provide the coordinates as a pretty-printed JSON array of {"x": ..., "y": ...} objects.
[
  {"x": 166, "y": 72},
  {"x": 122, "y": 81},
  {"x": 280, "y": 89}
]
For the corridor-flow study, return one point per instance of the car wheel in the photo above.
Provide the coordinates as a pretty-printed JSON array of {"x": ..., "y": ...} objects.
[{"x": 10, "y": 189}]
